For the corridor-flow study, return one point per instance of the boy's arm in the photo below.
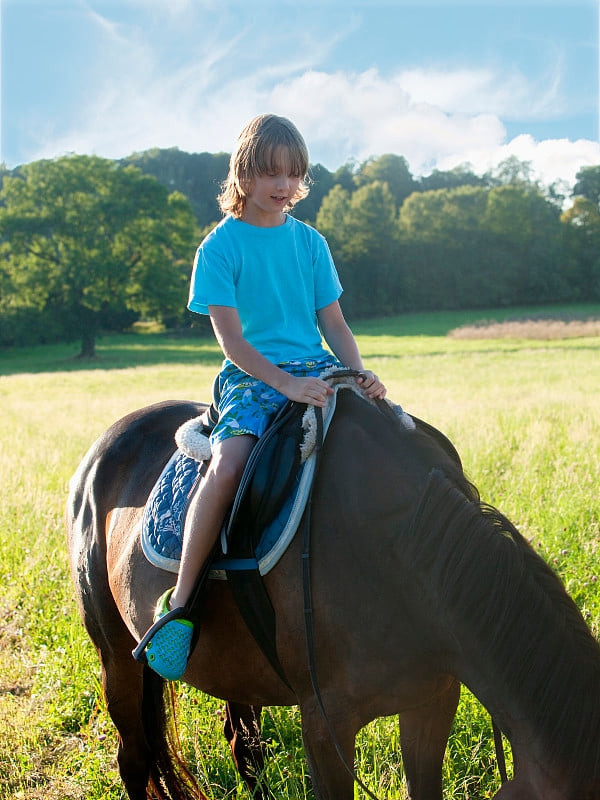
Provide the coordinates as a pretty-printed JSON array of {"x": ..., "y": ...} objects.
[
  {"x": 228, "y": 330},
  {"x": 339, "y": 337}
]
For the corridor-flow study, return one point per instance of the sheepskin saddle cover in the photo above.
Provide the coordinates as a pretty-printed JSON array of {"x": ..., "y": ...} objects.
[{"x": 270, "y": 501}]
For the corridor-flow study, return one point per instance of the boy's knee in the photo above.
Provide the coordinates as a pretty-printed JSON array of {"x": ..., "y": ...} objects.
[{"x": 227, "y": 474}]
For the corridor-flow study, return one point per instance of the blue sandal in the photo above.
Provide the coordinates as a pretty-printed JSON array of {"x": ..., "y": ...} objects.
[{"x": 166, "y": 646}]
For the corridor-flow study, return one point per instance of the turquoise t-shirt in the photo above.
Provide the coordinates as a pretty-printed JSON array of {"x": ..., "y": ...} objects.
[{"x": 277, "y": 278}]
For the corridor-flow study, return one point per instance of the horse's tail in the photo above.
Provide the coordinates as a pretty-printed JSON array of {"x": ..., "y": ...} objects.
[{"x": 170, "y": 779}]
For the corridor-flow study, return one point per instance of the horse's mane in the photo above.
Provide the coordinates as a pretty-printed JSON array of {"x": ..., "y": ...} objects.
[{"x": 513, "y": 618}]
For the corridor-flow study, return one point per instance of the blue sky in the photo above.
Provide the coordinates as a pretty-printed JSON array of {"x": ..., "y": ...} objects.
[{"x": 441, "y": 83}]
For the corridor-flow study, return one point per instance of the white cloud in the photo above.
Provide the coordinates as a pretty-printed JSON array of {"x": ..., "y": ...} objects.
[
  {"x": 551, "y": 159},
  {"x": 345, "y": 115},
  {"x": 433, "y": 118}
]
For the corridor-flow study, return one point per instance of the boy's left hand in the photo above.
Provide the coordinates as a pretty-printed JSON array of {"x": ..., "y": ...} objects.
[{"x": 371, "y": 385}]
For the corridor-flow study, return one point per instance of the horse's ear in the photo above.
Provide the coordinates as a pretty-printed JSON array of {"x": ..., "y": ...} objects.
[{"x": 191, "y": 440}]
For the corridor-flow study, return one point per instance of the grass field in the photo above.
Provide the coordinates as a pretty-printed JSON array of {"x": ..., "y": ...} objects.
[{"x": 523, "y": 413}]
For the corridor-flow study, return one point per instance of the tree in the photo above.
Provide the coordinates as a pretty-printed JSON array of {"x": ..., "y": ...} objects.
[
  {"x": 449, "y": 179},
  {"x": 389, "y": 169},
  {"x": 331, "y": 219},
  {"x": 344, "y": 176},
  {"x": 473, "y": 246},
  {"x": 442, "y": 215},
  {"x": 199, "y": 177},
  {"x": 526, "y": 229},
  {"x": 85, "y": 239},
  {"x": 581, "y": 229},
  {"x": 440, "y": 235},
  {"x": 588, "y": 184},
  {"x": 360, "y": 228},
  {"x": 511, "y": 172}
]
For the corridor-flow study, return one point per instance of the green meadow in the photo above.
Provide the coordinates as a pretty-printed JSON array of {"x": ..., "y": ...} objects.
[{"x": 523, "y": 413}]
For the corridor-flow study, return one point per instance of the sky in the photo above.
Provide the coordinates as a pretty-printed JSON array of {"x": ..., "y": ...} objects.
[{"x": 440, "y": 83}]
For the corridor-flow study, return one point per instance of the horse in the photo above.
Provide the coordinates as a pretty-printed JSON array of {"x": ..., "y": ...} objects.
[{"x": 417, "y": 587}]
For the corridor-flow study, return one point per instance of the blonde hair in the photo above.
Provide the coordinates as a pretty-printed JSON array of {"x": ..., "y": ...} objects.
[{"x": 258, "y": 152}]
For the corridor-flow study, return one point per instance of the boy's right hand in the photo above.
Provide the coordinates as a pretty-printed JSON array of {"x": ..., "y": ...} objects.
[{"x": 313, "y": 391}]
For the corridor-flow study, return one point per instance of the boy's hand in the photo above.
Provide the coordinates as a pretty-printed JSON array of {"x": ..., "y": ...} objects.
[
  {"x": 371, "y": 385},
  {"x": 313, "y": 391}
]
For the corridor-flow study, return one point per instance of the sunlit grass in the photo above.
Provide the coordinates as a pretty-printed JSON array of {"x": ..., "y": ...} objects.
[{"x": 525, "y": 417}]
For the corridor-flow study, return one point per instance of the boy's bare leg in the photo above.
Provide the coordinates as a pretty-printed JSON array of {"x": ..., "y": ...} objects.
[{"x": 208, "y": 508}]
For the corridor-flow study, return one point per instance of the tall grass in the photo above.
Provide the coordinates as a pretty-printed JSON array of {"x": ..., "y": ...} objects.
[{"x": 524, "y": 415}]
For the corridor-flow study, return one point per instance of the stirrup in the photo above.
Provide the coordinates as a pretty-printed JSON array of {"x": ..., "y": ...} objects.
[{"x": 166, "y": 649}]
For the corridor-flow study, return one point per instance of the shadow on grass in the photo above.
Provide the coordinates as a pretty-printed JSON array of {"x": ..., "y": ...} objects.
[{"x": 124, "y": 351}]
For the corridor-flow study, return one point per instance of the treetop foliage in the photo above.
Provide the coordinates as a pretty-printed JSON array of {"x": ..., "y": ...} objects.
[
  {"x": 89, "y": 244},
  {"x": 86, "y": 243},
  {"x": 588, "y": 184}
]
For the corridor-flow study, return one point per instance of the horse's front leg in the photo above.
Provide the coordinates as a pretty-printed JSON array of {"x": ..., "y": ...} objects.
[
  {"x": 331, "y": 779},
  {"x": 242, "y": 731},
  {"x": 424, "y": 733}
]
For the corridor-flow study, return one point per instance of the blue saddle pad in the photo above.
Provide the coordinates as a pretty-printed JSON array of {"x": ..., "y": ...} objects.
[
  {"x": 161, "y": 521},
  {"x": 163, "y": 518}
]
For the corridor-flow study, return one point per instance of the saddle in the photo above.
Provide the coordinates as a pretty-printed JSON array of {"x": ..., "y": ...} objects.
[{"x": 269, "y": 481}]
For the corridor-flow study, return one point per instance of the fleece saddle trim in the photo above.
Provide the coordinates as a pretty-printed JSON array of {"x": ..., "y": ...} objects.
[{"x": 164, "y": 514}]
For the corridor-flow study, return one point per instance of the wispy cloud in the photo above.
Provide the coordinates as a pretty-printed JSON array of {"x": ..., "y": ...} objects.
[
  {"x": 505, "y": 93},
  {"x": 112, "y": 30}
]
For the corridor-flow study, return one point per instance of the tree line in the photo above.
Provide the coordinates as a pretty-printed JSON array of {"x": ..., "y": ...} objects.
[{"x": 89, "y": 244}]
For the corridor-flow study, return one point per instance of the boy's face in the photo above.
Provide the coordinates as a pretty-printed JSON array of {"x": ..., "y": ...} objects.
[{"x": 271, "y": 192}]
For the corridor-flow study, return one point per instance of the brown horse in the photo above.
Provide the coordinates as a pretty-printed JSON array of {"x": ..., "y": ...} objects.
[{"x": 417, "y": 587}]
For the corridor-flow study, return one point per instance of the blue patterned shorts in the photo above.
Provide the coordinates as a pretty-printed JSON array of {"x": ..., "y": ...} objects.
[{"x": 247, "y": 404}]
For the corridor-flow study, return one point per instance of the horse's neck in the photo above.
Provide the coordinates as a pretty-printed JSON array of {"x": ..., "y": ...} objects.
[{"x": 524, "y": 649}]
